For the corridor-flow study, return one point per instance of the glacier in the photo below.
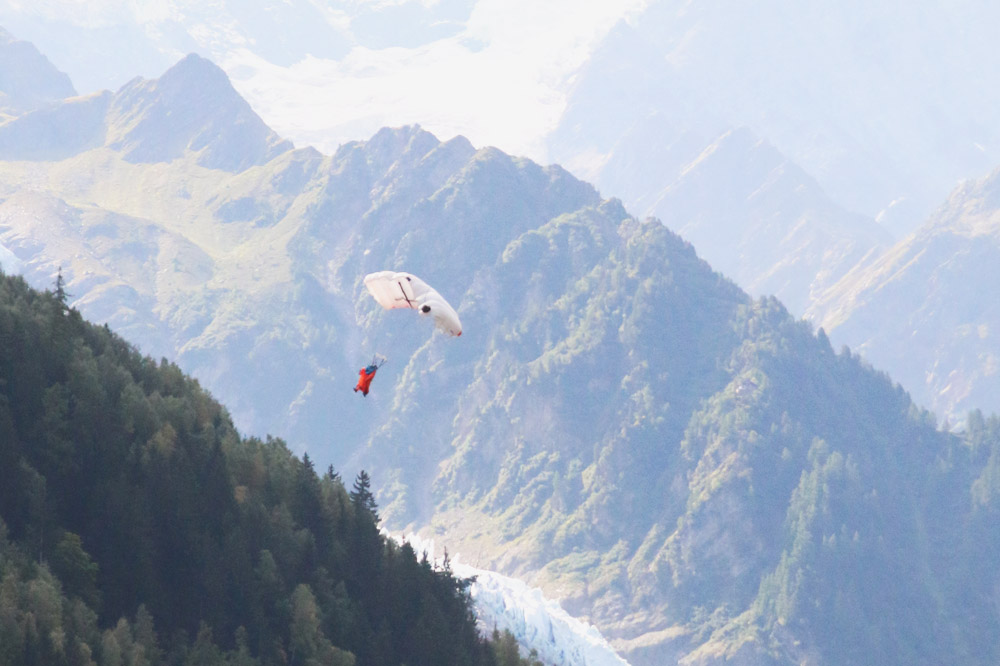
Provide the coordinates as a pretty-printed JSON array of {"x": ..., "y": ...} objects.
[
  {"x": 9, "y": 262},
  {"x": 538, "y": 623}
]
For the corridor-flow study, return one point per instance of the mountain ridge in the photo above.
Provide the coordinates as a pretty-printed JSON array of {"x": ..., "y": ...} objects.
[
  {"x": 919, "y": 288},
  {"x": 191, "y": 108},
  {"x": 785, "y": 237}
]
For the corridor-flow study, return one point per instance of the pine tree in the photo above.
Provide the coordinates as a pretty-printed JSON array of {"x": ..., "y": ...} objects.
[
  {"x": 61, "y": 294},
  {"x": 361, "y": 495}
]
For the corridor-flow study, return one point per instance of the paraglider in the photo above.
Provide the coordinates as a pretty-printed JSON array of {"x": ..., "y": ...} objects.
[
  {"x": 402, "y": 290},
  {"x": 392, "y": 290},
  {"x": 367, "y": 374}
]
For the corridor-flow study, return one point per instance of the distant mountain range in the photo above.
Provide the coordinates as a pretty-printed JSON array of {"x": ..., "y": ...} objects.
[
  {"x": 782, "y": 235},
  {"x": 852, "y": 104},
  {"x": 694, "y": 471},
  {"x": 192, "y": 108},
  {"x": 211, "y": 262},
  {"x": 923, "y": 311},
  {"x": 886, "y": 107},
  {"x": 780, "y": 155},
  {"x": 879, "y": 103}
]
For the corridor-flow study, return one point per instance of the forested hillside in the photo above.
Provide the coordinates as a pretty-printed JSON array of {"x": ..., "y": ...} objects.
[
  {"x": 137, "y": 527},
  {"x": 698, "y": 473}
]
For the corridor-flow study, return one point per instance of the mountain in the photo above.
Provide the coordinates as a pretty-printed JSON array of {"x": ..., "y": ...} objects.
[
  {"x": 887, "y": 106},
  {"x": 106, "y": 45},
  {"x": 689, "y": 469},
  {"x": 191, "y": 108},
  {"x": 27, "y": 79},
  {"x": 642, "y": 437},
  {"x": 754, "y": 214},
  {"x": 919, "y": 310},
  {"x": 266, "y": 263},
  {"x": 782, "y": 235},
  {"x": 874, "y": 102}
]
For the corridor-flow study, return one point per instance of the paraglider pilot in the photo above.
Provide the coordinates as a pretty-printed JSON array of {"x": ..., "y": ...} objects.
[{"x": 365, "y": 376}]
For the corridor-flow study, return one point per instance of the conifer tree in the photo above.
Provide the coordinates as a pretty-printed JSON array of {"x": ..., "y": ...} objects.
[
  {"x": 361, "y": 494},
  {"x": 61, "y": 294}
]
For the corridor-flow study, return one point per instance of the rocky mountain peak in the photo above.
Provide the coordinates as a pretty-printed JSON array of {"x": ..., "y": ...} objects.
[
  {"x": 27, "y": 79},
  {"x": 973, "y": 209},
  {"x": 192, "y": 107}
]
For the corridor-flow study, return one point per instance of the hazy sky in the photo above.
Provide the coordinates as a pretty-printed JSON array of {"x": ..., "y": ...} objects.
[{"x": 321, "y": 73}]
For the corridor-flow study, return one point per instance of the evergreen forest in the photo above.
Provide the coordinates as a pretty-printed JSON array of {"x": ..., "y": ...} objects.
[{"x": 138, "y": 527}]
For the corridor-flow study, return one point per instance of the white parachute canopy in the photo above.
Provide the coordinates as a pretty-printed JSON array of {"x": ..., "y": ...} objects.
[{"x": 402, "y": 290}]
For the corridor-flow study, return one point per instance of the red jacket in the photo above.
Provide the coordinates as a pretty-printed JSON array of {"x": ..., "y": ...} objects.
[{"x": 364, "y": 380}]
